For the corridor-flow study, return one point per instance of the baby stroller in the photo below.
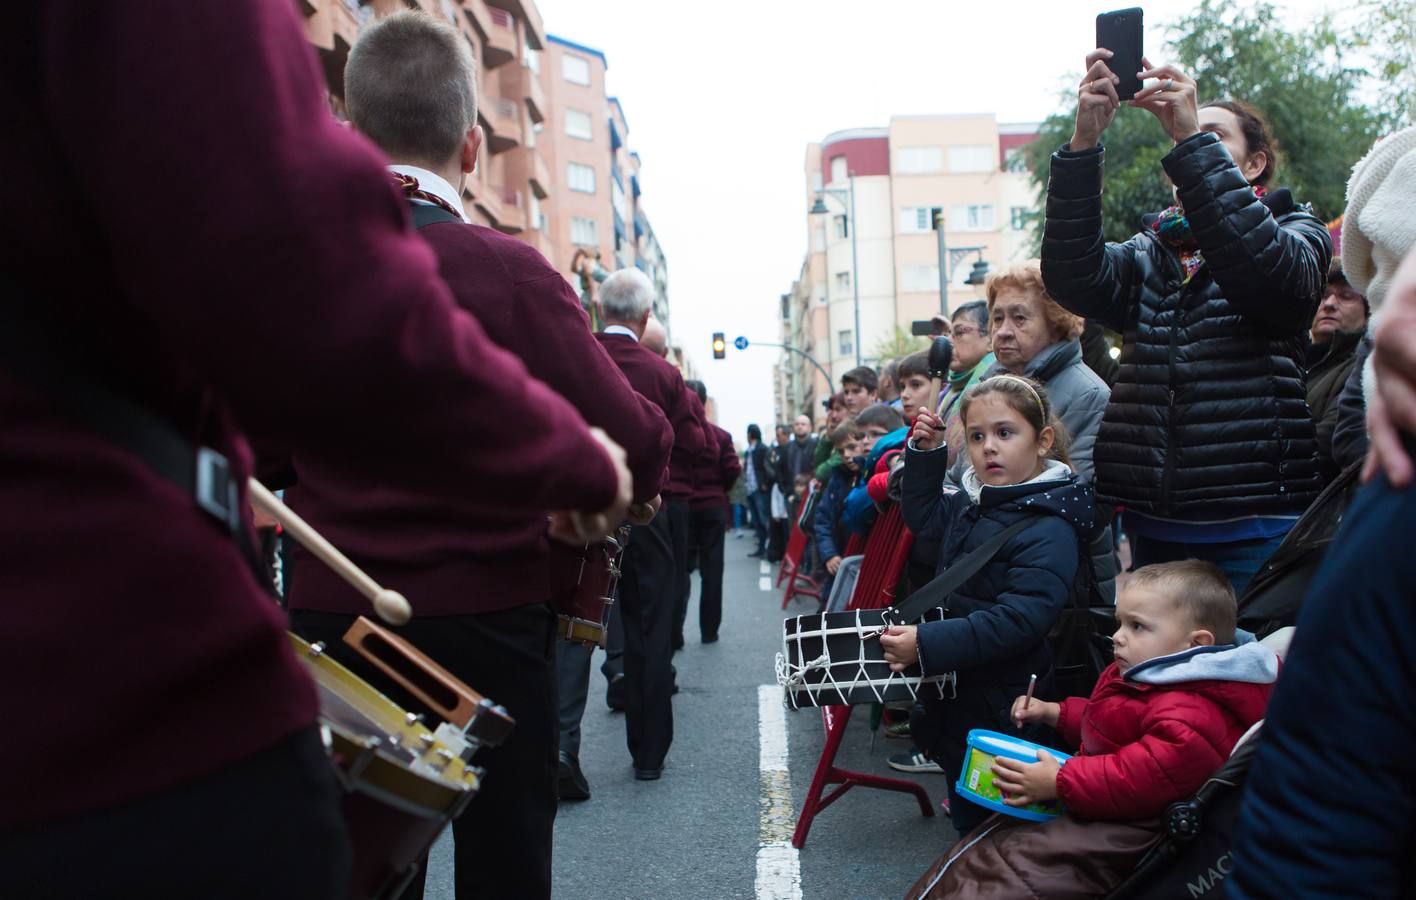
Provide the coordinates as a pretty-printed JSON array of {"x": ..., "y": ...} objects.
[{"x": 1193, "y": 857}]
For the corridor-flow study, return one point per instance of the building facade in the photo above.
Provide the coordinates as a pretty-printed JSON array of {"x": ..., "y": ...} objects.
[
  {"x": 875, "y": 199},
  {"x": 555, "y": 169}
]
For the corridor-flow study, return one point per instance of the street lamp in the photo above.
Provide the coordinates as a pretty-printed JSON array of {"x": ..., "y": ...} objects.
[
  {"x": 949, "y": 258},
  {"x": 818, "y": 209}
]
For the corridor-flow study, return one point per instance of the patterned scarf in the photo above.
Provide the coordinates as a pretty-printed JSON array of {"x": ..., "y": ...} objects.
[
  {"x": 411, "y": 189},
  {"x": 1173, "y": 228}
]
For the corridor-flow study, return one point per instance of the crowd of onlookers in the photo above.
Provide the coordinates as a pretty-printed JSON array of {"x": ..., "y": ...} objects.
[{"x": 1178, "y": 402}]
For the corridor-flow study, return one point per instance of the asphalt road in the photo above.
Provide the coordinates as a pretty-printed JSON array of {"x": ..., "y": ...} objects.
[{"x": 699, "y": 831}]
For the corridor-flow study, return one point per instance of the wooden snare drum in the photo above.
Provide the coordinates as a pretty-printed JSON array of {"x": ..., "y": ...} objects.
[{"x": 403, "y": 782}]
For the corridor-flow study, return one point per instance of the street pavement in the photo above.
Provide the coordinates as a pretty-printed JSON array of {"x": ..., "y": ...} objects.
[{"x": 699, "y": 831}]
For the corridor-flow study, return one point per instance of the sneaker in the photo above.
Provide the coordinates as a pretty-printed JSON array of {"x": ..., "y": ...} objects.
[
  {"x": 899, "y": 730},
  {"x": 914, "y": 761}
]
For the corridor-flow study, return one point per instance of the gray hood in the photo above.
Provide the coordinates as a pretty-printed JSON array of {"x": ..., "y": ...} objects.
[{"x": 1245, "y": 660}]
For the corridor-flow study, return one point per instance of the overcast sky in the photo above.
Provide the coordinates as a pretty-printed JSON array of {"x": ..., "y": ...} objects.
[{"x": 722, "y": 101}]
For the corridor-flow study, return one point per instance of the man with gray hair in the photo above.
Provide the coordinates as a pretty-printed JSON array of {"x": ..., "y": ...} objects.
[
  {"x": 656, "y": 557},
  {"x": 484, "y": 615}
]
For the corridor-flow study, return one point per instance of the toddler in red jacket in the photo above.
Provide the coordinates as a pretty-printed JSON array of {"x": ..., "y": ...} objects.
[
  {"x": 1185, "y": 687},
  {"x": 1166, "y": 714}
]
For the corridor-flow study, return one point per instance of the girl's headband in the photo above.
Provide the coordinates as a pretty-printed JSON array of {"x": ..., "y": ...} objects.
[{"x": 1031, "y": 390}]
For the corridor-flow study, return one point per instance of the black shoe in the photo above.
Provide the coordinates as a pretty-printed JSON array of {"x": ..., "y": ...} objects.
[
  {"x": 678, "y": 642},
  {"x": 648, "y": 774},
  {"x": 710, "y": 638},
  {"x": 571, "y": 785},
  {"x": 614, "y": 694}
]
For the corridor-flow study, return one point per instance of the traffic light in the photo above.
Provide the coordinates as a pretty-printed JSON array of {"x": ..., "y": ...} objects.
[{"x": 720, "y": 345}]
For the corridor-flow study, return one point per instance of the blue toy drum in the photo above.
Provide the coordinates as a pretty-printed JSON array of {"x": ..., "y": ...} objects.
[{"x": 976, "y": 779}]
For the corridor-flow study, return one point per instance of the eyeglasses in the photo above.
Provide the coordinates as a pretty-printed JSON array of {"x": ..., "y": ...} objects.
[{"x": 963, "y": 331}]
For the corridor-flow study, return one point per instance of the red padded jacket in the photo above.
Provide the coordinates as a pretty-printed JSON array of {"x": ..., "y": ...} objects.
[{"x": 1145, "y": 746}]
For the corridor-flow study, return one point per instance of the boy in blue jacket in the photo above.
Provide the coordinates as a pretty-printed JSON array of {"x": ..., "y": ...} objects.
[{"x": 830, "y": 536}]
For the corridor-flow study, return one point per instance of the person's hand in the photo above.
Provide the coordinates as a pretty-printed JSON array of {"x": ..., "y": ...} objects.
[
  {"x": 1171, "y": 99},
  {"x": 833, "y": 564},
  {"x": 901, "y": 646},
  {"x": 1036, "y": 711},
  {"x": 1096, "y": 101},
  {"x": 644, "y": 513},
  {"x": 1393, "y": 407},
  {"x": 579, "y": 528},
  {"x": 1025, "y": 783},
  {"x": 928, "y": 431}
]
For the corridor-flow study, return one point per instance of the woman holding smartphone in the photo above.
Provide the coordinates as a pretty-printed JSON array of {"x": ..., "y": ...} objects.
[{"x": 1207, "y": 441}]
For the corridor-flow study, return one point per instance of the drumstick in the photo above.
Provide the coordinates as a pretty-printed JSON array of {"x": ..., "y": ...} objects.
[{"x": 391, "y": 606}]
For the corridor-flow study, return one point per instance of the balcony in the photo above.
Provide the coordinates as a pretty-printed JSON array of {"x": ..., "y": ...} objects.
[
  {"x": 497, "y": 29},
  {"x": 502, "y": 119},
  {"x": 538, "y": 174},
  {"x": 513, "y": 210},
  {"x": 488, "y": 202},
  {"x": 523, "y": 84},
  {"x": 530, "y": 16}
]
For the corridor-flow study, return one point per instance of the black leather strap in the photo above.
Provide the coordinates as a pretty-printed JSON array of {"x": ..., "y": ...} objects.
[{"x": 937, "y": 591}]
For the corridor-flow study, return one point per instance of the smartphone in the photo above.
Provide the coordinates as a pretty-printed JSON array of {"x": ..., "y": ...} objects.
[
  {"x": 1121, "y": 32},
  {"x": 922, "y": 327}
]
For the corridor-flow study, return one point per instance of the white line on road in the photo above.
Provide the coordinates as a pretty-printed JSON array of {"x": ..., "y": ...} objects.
[
  {"x": 778, "y": 864},
  {"x": 764, "y": 583},
  {"x": 764, "y": 568}
]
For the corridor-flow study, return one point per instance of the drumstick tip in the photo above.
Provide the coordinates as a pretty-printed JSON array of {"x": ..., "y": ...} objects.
[{"x": 393, "y": 607}]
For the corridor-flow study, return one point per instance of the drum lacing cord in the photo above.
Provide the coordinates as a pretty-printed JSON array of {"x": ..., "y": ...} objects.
[{"x": 789, "y": 675}]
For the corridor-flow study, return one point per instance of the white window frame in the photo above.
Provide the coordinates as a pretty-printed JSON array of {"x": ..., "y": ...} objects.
[
  {"x": 843, "y": 281},
  {"x": 584, "y": 232},
  {"x": 925, "y": 160},
  {"x": 917, "y": 219},
  {"x": 572, "y": 66},
  {"x": 574, "y": 115},
  {"x": 845, "y": 342},
  {"x": 972, "y": 217},
  {"x": 972, "y": 158},
  {"x": 919, "y": 279},
  {"x": 840, "y": 227},
  {"x": 840, "y": 168},
  {"x": 580, "y": 177}
]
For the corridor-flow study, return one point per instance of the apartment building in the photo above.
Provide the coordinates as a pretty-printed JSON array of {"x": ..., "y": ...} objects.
[
  {"x": 874, "y": 200},
  {"x": 555, "y": 168}
]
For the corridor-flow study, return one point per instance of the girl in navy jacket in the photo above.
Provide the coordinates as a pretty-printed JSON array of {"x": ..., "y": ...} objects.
[{"x": 994, "y": 635}]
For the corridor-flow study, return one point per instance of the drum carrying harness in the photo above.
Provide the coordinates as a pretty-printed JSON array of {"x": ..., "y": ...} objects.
[{"x": 39, "y": 358}]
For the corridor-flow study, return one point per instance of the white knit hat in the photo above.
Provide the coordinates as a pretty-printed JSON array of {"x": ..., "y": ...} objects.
[{"x": 1379, "y": 225}]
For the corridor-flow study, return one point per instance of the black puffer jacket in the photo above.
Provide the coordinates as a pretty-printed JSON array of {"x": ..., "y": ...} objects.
[{"x": 1208, "y": 418}]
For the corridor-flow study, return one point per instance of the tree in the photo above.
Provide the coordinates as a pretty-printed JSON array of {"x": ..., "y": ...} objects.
[
  {"x": 1300, "y": 81},
  {"x": 898, "y": 343}
]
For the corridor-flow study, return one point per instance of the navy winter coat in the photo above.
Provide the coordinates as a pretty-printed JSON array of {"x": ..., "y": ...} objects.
[
  {"x": 830, "y": 538},
  {"x": 998, "y": 620}
]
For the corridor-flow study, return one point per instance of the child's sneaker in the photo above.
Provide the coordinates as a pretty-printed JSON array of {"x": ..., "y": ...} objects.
[{"x": 914, "y": 761}]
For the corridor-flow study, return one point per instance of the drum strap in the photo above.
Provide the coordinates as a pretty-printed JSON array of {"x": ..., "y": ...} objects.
[
  {"x": 36, "y": 355},
  {"x": 937, "y": 591}
]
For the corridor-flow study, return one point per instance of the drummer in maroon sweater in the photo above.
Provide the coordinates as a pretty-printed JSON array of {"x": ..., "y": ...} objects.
[
  {"x": 714, "y": 474},
  {"x": 478, "y": 578},
  {"x": 647, "y": 607},
  {"x": 195, "y": 231}
]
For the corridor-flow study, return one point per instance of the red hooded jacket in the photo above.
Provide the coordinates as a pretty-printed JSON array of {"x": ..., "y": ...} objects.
[{"x": 1147, "y": 745}]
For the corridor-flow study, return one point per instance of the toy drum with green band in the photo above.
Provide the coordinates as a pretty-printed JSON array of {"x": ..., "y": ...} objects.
[{"x": 976, "y": 779}]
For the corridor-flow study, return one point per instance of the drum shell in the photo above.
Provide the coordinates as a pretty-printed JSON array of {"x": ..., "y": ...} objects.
[
  {"x": 975, "y": 781},
  {"x": 581, "y": 582},
  {"x": 856, "y": 672}
]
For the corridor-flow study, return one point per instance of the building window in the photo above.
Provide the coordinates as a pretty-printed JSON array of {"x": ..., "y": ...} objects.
[
  {"x": 971, "y": 217},
  {"x": 971, "y": 159},
  {"x": 920, "y": 278},
  {"x": 532, "y": 60},
  {"x": 533, "y": 208},
  {"x": 576, "y": 69},
  {"x": 618, "y": 200},
  {"x": 1018, "y": 218},
  {"x": 844, "y": 344},
  {"x": 843, "y": 281},
  {"x": 842, "y": 227},
  {"x": 918, "y": 219},
  {"x": 582, "y": 178},
  {"x": 919, "y": 160},
  {"x": 579, "y": 125},
  {"x": 584, "y": 231},
  {"x": 838, "y": 169}
]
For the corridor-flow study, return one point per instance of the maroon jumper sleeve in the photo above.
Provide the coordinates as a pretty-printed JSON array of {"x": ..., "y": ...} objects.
[
  {"x": 293, "y": 279},
  {"x": 729, "y": 465}
]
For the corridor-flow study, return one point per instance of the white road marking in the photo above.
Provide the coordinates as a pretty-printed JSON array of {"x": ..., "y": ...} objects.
[
  {"x": 764, "y": 583},
  {"x": 764, "y": 567},
  {"x": 778, "y": 863}
]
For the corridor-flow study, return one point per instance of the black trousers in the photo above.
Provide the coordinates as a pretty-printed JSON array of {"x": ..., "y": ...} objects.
[
  {"x": 508, "y": 656},
  {"x": 268, "y": 826},
  {"x": 677, "y": 515},
  {"x": 706, "y": 531},
  {"x": 647, "y": 608}
]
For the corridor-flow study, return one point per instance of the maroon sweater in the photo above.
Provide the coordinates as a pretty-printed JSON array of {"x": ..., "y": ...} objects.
[
  {"x": 225, "y": 252},
  {"x": 659, "y": 382},
  {"x": 716, "y": 471},
  {"x": 447, "y": 558}
]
